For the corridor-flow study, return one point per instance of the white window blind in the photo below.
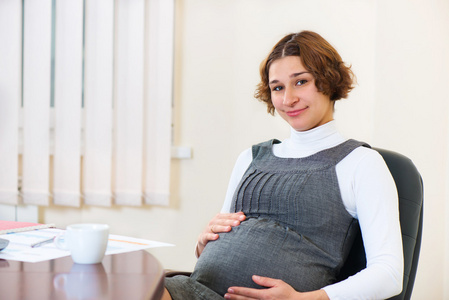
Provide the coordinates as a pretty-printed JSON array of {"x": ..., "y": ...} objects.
[
  {"x": 86, "y": 98},
  {"x": 128, "y": 144},
  {"x": 36, "y": 91},
  {"x": 98, "y": 84},
  {"x": 67, "y": 101},
  {"x": 10, "y": 97}
]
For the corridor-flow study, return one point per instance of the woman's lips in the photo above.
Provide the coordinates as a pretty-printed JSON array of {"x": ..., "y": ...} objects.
[{"x": 293, "y": 113}]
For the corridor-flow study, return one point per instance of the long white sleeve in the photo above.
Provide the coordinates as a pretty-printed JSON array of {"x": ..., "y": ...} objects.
[
  {"x": 369, "y": 194},
  {"x": 376, "y": 207}
]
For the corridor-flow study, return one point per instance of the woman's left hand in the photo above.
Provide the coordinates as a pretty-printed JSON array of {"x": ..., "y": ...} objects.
[{"x": 276, "y": 289}]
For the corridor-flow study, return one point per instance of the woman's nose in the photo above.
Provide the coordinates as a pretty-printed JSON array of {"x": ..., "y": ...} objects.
[{"x": 290, "y": 98}]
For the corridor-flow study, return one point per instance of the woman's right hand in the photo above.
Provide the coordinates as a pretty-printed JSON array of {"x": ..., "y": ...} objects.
[{"x": 220, "y": 223}]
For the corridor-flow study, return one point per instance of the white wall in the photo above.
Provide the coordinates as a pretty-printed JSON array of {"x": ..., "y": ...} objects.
[{"x": 398, "y": 50}]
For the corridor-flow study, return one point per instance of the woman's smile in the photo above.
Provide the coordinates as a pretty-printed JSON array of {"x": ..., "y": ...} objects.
[{"x": 294, "y": 113}]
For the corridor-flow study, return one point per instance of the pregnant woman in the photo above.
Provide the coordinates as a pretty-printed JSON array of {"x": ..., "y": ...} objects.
[{"x": 293, "y": 207}]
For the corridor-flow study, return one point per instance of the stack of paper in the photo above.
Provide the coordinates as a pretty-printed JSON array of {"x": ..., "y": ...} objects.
[{"x": 20, "y": 249}]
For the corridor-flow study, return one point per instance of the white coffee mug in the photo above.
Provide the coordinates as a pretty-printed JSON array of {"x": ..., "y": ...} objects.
[{"x": 86, "y": 242}]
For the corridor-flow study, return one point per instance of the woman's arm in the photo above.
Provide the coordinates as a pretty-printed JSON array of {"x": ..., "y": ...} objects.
[{"x": 376, "y": 208}]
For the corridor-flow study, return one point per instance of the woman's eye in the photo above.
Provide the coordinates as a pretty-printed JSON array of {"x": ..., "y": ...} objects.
[
  {"x": 301, "y": 82},
  {"x": 277, "y": 88}
]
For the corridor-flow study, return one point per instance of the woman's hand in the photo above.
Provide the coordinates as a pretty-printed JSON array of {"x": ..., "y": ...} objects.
[
  {"x": 220, "y": 223},
  {"x": 276, "y": 289}
]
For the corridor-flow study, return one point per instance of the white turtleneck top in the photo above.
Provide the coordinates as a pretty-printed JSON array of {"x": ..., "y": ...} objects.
[{"x": 369, "y": 194}]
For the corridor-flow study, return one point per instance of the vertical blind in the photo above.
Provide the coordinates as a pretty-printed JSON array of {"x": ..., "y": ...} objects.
[{"x": 86, "y": 98}]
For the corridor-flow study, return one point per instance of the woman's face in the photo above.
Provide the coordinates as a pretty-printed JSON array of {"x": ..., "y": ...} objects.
[{"x": 295, "y": 96}]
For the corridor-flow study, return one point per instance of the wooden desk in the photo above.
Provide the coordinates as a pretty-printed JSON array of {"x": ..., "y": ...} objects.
[{"x": 133, "y": 275}]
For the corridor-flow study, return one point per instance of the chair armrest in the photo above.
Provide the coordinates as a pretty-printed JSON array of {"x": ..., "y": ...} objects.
[{"x": 171, "y": 273}]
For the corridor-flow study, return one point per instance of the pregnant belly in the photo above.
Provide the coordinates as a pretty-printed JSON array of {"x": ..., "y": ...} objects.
[{"x": 259, "y": 247}]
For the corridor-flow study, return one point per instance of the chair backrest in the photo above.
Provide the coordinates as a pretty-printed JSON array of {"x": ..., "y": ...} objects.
[{"x": 410, "y": 191}]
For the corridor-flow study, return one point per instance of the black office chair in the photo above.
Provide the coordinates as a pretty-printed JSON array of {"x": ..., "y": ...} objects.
[{"x": 410, "y": 191}]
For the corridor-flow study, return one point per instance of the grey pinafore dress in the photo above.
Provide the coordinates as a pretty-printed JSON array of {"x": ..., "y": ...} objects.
[{"x": 297, "y": 227}]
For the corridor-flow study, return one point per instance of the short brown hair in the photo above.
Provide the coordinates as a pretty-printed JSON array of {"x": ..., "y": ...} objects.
[{"x": 332, "y": 77}]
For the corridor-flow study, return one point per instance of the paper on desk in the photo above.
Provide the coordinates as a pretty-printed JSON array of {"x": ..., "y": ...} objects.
[
  {"x": 121, "y": 244},
  {"x": 19, "y": 247}
]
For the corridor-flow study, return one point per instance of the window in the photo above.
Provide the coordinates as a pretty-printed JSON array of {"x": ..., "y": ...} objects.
[{"x": 95, "y": 125}]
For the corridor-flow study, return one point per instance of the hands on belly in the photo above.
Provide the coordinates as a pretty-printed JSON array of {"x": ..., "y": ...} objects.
[
  {"x": 219, "y": 224},
  {"x": 276, "y": 289}
]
